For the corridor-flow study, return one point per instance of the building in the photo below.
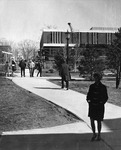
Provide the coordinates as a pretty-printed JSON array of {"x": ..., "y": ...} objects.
[
  {"x": 53, "y": 40},
  {"x": 5, "y": 55}
]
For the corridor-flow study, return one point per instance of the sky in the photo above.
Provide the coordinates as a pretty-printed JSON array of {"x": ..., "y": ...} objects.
[{"x": 25, "y": 19}]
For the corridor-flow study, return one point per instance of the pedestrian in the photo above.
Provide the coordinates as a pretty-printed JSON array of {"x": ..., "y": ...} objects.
[
  {"x": 96, "y": 97},
  {"x": 22, "y": 65},
  {"x": 31, "y": 68},
  {"x": 65, "y": 74},
  {"x": 39, "y": 68},
  {"x": 7, "y": 69},
  {"x": 28, "y": 64},
  {"x": 13, "y": 64}
]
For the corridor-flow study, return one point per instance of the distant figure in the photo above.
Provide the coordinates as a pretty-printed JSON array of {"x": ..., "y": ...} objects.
[
  {"x": 65, "y": 75},
  {"x": 22, "y": 65},
  {"x": 31, "y": 68},
  {"x": 39, "y": 68},
  {"x": 7, "y": 69},
  {"x": 13, "y": 64},
  {"x": 28, "y": 64},
  {"x": 97, "y": 96}
]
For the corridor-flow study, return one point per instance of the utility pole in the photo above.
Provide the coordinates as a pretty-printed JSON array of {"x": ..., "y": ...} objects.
[
  {"x": 67, "y": 47},
  {"x": 75, "y": 48}
]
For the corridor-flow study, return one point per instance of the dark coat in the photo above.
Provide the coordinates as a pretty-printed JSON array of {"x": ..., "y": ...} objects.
[
  {"x": 39, "y": 66},
  {"x": 22, "y": 64},
  {"x": 97, "y": 95},
  {"x": 64, "y": 72}
]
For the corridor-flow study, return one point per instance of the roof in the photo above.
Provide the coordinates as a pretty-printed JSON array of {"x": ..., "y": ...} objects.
[
  {"x": 6, "y": 52},
  {"x": 5, "y": 47},
  {"x": 89, "y": 31},
  {"x": 104, "y": 28},
  {"x": 56, "y": 45}
]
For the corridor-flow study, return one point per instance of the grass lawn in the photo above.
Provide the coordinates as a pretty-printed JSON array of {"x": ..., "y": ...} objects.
[
  {"x": 20, "y": 109},
  {"x": 83, "y": 86}
]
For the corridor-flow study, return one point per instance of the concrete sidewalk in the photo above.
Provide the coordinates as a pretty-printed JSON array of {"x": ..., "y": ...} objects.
[{"x": 71, "y": 136}]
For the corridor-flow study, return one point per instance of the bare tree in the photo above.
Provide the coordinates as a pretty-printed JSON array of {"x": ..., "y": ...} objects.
[{"x": 28, "y": 49}]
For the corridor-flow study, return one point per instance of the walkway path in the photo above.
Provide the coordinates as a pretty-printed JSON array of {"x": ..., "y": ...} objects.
[{"x": 71, "y": 136}]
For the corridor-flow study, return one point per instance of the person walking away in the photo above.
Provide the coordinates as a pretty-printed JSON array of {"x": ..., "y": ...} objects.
[
  {"x": 7, "y": 69},
  {"x": 31, "y": 67},
  {"x": 96, "y": 97},
  {"x": 13, "y": 64},
  {"x": 65, "y": 74},
  {"x": 22, "y": 65},
  {"x": 28, "y": 64},
  {"x": 39, "y": 68}
]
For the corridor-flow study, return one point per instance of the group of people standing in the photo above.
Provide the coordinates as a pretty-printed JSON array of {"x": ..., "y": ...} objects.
[
  {"x": 31, "y": 66},
  {"x": 10, "y": 67}
]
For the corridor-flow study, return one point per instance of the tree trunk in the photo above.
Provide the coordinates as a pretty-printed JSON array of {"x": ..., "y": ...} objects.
[
  {"x": 75, "y": 66},
  {"x": 118, "y": 76},
  {"x": 117, "y": 81},
  {"x": 91, "y": 76}
]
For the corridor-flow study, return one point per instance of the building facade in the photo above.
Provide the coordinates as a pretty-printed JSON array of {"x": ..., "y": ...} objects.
[
  {"x": 5, "y": 55},
  {"x": 54, "y": 40}
]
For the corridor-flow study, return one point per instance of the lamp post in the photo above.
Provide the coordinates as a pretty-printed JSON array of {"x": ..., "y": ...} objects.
[{"x": 67, "y": 47}]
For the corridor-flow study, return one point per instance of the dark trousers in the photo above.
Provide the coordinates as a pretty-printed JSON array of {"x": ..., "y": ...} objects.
[
  {"x": 22, "y": 72},
  {"x": 67, "y": 82},
  {"x": 39, "y": 71}
]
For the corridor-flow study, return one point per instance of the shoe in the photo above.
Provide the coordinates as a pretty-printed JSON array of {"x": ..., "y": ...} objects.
[{"x": 93, "y": 138}]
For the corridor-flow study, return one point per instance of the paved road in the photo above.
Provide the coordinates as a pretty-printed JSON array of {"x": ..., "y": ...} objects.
[{"x": 74, "y": 136}]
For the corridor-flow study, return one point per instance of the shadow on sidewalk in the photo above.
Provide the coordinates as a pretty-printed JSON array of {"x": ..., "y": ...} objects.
[
  {"x": 51, "y": 142},
  {"x": 67, "y": 141},
  {"x": 72, "y": 79},
  {"x": 48, "y": 88},
  {"x": 113, "y": 139},
  {"x": 113, "y": 124}
]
